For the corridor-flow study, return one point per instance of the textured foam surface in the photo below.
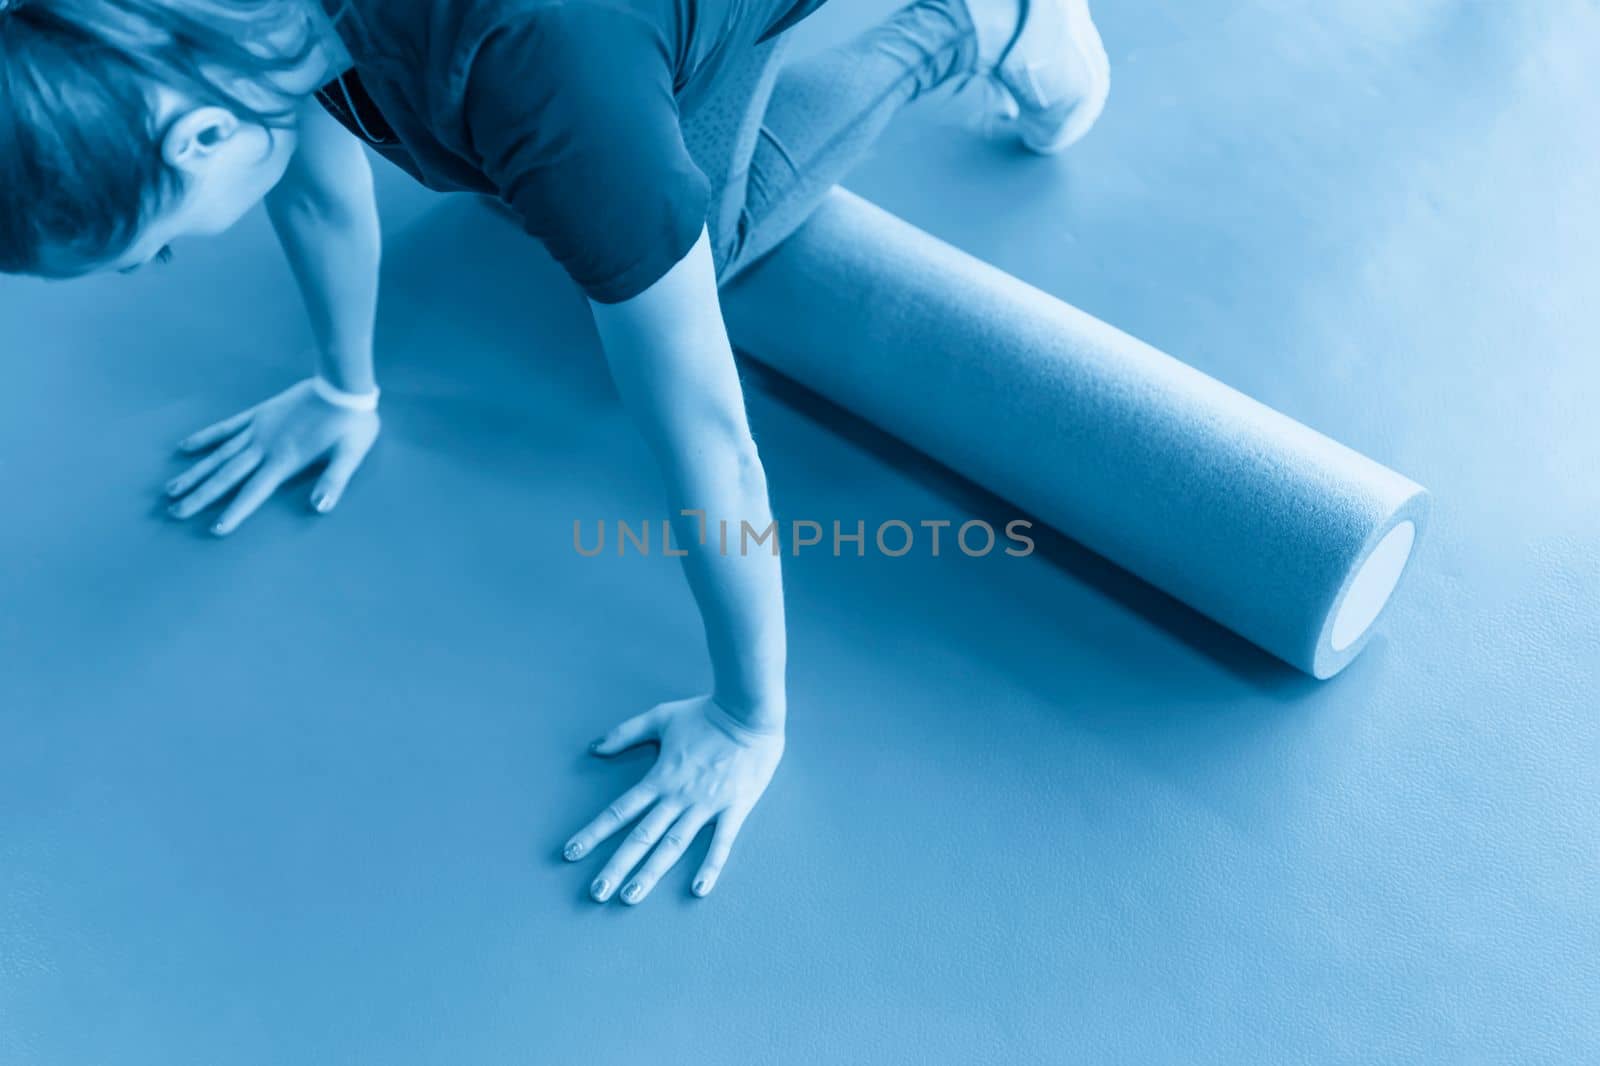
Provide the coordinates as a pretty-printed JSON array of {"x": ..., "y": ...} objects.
[{"x": 1241, "y": 512}]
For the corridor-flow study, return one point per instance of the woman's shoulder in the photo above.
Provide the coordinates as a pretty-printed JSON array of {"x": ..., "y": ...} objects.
[
  {"x": 584, "y": 40},
  {"x": 580, "y": 17},
  {"x": 447, "y": 33}
]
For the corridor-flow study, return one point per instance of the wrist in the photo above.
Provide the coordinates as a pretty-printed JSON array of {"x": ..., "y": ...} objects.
[
  {"x": 760, "y": 716},
  {"x": 363, "y": 400},
  {"x": 346, "y": 363}
]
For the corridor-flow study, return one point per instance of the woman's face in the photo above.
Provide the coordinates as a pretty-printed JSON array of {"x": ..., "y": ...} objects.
[
  {"x": 226, "y": 165},
  {"x": 214, "y": 194}
]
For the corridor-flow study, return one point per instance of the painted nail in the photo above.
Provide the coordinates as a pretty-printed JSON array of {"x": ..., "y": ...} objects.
[
  {"x": 572, "y": 851},
  {"x": 600, "y": 889},
  {"x": 633, "y": 893},
  {"x": 701, "y": 887}
]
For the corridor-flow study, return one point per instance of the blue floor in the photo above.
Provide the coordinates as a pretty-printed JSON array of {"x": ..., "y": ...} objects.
[{"x": 296, "y": 798}]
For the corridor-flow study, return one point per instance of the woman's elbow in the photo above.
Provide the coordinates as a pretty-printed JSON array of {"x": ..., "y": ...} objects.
[
  {"x": 738, "y": 450},
  {"x": 721, "y": 453}
]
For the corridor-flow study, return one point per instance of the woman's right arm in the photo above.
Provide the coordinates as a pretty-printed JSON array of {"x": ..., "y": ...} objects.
[
  {"x": 326, "y": 217},
  {"x": 325, "y": 214}
]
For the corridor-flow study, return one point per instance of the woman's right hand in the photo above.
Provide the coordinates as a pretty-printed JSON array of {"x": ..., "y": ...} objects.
[{"x": 257, "y": 450}]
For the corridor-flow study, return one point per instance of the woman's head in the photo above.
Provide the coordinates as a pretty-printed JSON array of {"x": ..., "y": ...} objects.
[{"x": 125, "y": 124}]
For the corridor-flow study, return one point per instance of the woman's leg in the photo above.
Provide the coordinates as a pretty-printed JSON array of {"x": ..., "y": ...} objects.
[
  {"x": 775, "y": 138},
  {"x": 721, "y": 134},
  {"x": 828, "y": 110}
]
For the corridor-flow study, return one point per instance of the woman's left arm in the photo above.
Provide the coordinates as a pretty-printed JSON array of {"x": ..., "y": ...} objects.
[{"x": 673, "y": 366}]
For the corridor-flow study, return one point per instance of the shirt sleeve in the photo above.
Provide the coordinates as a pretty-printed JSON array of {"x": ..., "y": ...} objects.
[{"x": 572, "y": 114}]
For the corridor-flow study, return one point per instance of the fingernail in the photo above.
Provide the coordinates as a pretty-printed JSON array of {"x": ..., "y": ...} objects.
[
  {"x": 633, "y": 893},
  {"x": 572, "y": 851},
  {"x": 701, "y": 887},
  {"x": 594, "y": 745},
  {"x": 600, "y": 889},
  {"x": 219, "y": 530},
  {"x": 325, "y": 505},
  {"x": 172, "y": 488}
]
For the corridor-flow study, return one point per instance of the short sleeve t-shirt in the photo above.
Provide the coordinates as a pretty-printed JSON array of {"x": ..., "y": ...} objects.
[{"x": 566, "y": 109}]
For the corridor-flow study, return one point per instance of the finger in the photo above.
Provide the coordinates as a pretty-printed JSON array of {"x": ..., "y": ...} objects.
[
  {"x": 256, "y": 492},
  {"x": 636, "y": 730},
  {"x": 635, "y": 845},
  {"x": 728, "y": 826},
  {"x": 203, "y": 469},
  {"x": 667, "y": 853},
  {"x": 347, "y": 458},
  {"x": 215, "y": 432},
  {"x": 217, "y": 485},
  {"x": 623, "y": 810}
]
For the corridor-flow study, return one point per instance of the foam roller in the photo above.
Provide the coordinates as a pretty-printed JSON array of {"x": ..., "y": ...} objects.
[{"x": 1290, "y": 539}]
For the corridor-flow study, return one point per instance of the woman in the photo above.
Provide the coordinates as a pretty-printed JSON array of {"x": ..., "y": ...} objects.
[{"x": 656, "y": 147}]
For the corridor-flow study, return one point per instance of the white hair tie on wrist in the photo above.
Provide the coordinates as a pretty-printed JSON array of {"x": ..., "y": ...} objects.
[{"x": 350, "y": 401}]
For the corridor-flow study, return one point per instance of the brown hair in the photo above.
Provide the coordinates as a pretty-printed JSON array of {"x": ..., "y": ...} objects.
[{"x": 80, "y": 154}]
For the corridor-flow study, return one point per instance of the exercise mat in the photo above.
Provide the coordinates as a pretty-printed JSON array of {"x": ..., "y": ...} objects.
[{"x": 1277, "y": 532}]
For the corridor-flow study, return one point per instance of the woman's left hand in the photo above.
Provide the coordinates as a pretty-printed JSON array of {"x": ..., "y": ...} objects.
[
  {"x": 257, "y": 450},
  {"x": 711, "y": 768}
]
